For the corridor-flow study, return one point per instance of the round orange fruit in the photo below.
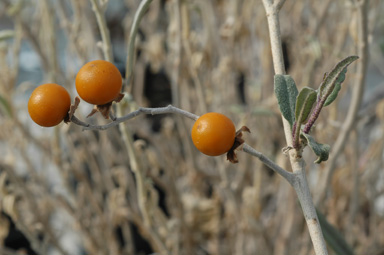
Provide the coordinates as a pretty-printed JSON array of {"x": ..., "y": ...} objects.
[
  {"x": 98, "y": 82},
  {"x": 49, "y": 104},
  {"x": 213, "y": 134}
]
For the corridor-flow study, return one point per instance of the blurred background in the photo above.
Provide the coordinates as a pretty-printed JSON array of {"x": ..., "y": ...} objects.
[{"x": 144, "y": 188}]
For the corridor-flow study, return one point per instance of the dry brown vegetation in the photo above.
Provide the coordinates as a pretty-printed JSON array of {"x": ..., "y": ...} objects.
[{"x": 64, "y": 185}]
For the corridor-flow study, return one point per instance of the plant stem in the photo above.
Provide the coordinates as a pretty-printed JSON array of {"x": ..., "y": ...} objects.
[
  {"x": 143, "y": 7},
  {"x": 275, "y": 36},
  {"x": 284, "y": 173},
  {"x": 303, "y": 193},
  {"x": 277, "y": 51},
  {"x": 315, "y": 115},
  {"x": 131, "y": 115},
  {"x": 296, "y": 136},
  {"x": 106, "y": 40},
  {"x": 172, "y": 109},
  {"x": 300, "y": 183}
]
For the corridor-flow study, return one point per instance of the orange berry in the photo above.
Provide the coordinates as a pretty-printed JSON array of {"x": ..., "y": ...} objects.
[
  {"x": 213, "y": 134},
  {"x": 98, "y": 82},
  {"x": 49, "y": 104}
]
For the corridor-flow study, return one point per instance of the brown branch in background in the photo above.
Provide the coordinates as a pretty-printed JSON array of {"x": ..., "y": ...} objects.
[
  {"x": 185, "y": 41},
  {"x": 357, "y": 96},
  {"x": 40, "y": 218},
  {"x": 106, "y": 40},
  {"x": 148, "y": 212},
  {"x": 131, "y": 54},
  {"x": 35, "y": 44}
]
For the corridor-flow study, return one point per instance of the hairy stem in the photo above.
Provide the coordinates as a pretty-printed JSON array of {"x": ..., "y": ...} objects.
[
  {"x": 315, "y": 114},
  {"x": 296, "y": 136}
]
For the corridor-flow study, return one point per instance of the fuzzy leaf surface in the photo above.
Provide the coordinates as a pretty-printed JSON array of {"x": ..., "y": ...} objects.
[
  {"x": 333, "y": 77},
  {"x": 304, "y": 104},
  {"x": 321, "y": 150},
  {"x": 337, "y": 88},
  {"x": 286, "y": 93}
]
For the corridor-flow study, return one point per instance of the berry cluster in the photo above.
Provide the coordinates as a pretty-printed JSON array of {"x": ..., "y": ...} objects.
[{"x": 98, "y": 82}]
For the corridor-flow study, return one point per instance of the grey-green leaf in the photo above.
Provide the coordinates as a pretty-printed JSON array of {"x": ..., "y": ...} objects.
[
  {"x": 321, "y": 150},
  {"x": 337, "y": 88},
  {"x": 286, "y": 93},
  {"x": 330, "y": 80},
  {"x": 304, "y": 104}
]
